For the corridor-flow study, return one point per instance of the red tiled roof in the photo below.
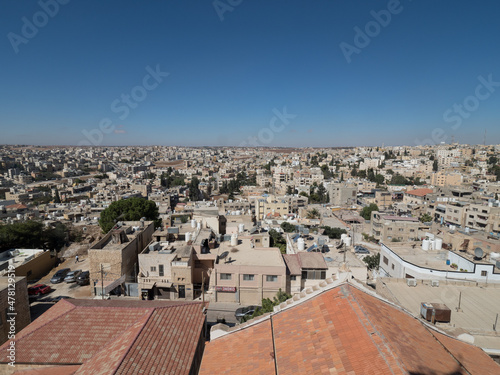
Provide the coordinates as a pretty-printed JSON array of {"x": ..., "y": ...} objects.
[
  {"x": 344, "y": 331},
  {"x": 113, "y": 337},
  {"x": 419, "y": 192},
  {"x": 249, "y": 352}
]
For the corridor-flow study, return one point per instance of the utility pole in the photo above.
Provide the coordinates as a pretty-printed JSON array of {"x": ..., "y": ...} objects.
[
  {"x": 202, "y": 286},
  {"x": 102, "y": 282}
]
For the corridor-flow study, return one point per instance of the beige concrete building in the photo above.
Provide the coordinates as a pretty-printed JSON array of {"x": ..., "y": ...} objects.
[
  {"x": 166, "y": 271},
  {"x": 446, "y": 179},
  {"x": 245, "y": 273},
  {"x": 483, "y": 217},
  {"x": 16, "y": 288},
  {"x": 114, "y": 259},
  {"x": 342, "y": 194},
  {"x": 387, "y": 228},
  {"x": 31, "y": 263}
]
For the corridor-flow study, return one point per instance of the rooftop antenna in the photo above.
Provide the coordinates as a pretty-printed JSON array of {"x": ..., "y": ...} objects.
[{"x": 484, "y": 139}]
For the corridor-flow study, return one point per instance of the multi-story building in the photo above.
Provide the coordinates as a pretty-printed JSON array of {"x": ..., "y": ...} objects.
[
  {"x": 244, "y": 273},
  {"x": 14, "y": 305},
  {"x": 342, "y": 193},
  {"x": 114, "y": 259},
  {"x": 387, "y": 228},
  {"x": 446, "y": 179}
]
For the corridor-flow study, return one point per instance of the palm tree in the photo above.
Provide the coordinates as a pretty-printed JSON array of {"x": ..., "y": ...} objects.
[{"x": 313, "y": 214}]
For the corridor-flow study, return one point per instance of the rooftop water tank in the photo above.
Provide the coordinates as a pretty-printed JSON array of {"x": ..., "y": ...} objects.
[
  {"x": 494, "y": 256},
  {"x": 241, "y": 228},
  {"x": 188, "y": 236},
  {"x": 425, "y": 245},
  {"x": 348, "y": 241},
  {"x": 193, "y": 223},
  {"x": 438, "y": 244},
  {"x": 234, "y": 240}
]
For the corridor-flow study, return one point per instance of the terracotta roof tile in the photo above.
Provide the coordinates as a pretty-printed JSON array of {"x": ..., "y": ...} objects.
[
  {"x": 114, "y": 337},
  {"x": 342, "y": 331}
]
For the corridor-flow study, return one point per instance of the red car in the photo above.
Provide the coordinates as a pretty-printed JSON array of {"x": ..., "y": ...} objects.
[{"x": 39, "y": 289}]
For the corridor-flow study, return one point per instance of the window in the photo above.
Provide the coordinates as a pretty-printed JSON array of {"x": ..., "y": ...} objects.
[
  {"x": 153, "y": 269},
  {"x": 313, "y": 274},
  {"x": 160, "y": 270},
  {"x": 293, "y": 277},
  {"x": 393, "y": 266},
  {"x": 271, "y": 278},
  {"x": 386, "y": 261},
  {"x": 225, "y": 276},
  {"x": 484, "y": 273},
  {"x": 248, "y": 277}
]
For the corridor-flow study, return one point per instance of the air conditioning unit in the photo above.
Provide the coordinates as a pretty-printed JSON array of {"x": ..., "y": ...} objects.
[
  {"x": 434, "y": 282},
  {"x": 411, "y": 282}
]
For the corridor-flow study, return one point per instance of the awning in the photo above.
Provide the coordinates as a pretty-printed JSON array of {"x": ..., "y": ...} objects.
[{"x": 108, "y": 288}]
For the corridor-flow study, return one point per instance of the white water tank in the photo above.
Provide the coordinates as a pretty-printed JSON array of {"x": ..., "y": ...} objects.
[
  {"x": 301, "y": 244},
  {"x": 343, "y": 237},
  {"x": 490, "y": 204},
  {"x": 348, "y": 241},
  {"x": 425, "y": 245},
  {"x": 188, "y": 236},
  {"x": 234, "y": 239},
  {"x": 237, "y": 212},
  {"x": 198, "y": 225},
  {"x": 438, "y": 244},
  {"x": 241, "y": 228},
  {"x": 494, "y": 256}
]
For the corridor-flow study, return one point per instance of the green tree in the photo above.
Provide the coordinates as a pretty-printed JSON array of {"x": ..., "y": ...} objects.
[
  {"x": 425, "y": 218},
  {"x": 313, "y": 214},
  {"x": 194, "y": 191},
  {"x": 366, "y": 212},
  {"x": 268, "y": 304},
  {"x": 57, "y": 198},
  {"x": 334, "y": 233},
  {"x": 287, "y": 227},
  {"x": 372, "y": 261},
  {"x": 130, "y": 209},
  {"x": 277, "y": 240}
]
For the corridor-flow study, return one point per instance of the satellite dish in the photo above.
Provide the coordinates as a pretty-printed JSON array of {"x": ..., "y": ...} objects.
[
  {"x": 224, "y": 254},
  {"x": 478, "y": 252},
  {"x": 339, "y": 246}
]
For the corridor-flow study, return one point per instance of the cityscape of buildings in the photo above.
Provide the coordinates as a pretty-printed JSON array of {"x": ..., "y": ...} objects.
[{"x": 242, "y": 225}]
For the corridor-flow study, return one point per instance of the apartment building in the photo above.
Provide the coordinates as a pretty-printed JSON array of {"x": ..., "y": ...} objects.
[
  {"x": 483, "y": 217},
  {"x": 342, "y": 194},
  {"x": 166, "y": 271},
  {"x": 245, "y": 274},
  {"x": 446, "y": 179},
  {"x": 387, "y": 228}
]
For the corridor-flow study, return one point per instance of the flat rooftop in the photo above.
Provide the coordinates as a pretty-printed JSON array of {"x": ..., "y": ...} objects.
[
  {"x": 244, "y": 254},
  {"x": 435, "y": 259},
  {"x": 479, "y": 306}
]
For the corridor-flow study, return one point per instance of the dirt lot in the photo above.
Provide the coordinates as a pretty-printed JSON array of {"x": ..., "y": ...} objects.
[{"x": 39, "y": 305}]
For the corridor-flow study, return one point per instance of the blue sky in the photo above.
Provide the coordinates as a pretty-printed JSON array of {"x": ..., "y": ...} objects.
[{"x": 231, "y": 68}]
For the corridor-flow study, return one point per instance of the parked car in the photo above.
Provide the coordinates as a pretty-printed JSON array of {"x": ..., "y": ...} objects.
[
  {"x": 39, "y": 289},
  {"x": 361, "y": 250},
  {"x": 83, "y": 278},
  {"x": 58, "y": 298},
  {"x": 59, "y": 276},
  {"x": 72, "y": 275},
  {"x": 245, "y": 311}
]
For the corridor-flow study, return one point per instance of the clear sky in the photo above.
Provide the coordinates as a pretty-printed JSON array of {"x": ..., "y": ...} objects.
[{"x": 283, "y": 73}]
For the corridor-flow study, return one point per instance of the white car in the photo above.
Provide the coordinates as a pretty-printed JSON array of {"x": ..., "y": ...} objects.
[{"x": 72, "y": 275}]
